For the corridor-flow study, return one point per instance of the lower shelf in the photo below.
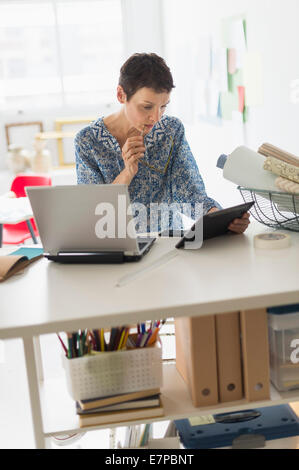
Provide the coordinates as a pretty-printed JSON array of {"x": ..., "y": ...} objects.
[{"x": 59, "y": 416}]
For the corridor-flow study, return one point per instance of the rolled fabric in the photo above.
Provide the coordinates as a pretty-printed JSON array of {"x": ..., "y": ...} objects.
[
  {"x": 281, "y": 168},
  {"x": 287, "y": 186}
]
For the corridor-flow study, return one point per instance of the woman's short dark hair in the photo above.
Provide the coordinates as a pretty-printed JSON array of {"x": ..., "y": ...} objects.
[{"x": 145, "y": 70}]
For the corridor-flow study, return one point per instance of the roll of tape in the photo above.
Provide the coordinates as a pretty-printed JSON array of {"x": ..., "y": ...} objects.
[{"x": 272, "y": 241}]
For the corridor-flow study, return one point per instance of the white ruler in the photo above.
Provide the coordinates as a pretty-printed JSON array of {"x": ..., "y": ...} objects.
[{"x": 154, "y": 265}]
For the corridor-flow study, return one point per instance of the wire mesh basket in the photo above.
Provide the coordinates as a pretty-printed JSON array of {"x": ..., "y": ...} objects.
[{"x": 274, "y": 209}]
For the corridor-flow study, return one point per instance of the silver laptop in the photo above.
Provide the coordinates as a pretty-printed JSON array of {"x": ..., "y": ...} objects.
[{"x": 87, "y": 223}]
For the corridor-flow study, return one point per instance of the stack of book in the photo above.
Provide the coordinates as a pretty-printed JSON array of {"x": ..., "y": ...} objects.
[{"x": 119, "y": 408}]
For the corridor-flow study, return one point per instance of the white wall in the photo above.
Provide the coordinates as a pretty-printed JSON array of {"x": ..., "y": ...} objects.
[
  {"x": 272, "y": 30},
  {"x": 143, "y": 26}
]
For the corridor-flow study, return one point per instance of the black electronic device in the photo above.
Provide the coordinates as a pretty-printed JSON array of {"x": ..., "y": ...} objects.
[{"x": 215, "y": 224}]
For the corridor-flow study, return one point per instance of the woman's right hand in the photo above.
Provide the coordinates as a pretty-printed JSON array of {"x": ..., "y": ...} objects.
[{"x": 132, "y": 151}]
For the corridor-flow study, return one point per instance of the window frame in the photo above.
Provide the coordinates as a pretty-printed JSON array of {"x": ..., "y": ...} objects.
[{"x": 63, "y": 94}]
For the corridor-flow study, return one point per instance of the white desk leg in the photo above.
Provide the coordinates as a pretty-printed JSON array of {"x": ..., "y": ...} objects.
[
  {"x": 33, "y": 385},
  {"x": 38, "y": 358}
]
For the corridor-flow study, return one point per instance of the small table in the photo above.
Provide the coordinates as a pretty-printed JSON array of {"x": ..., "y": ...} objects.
[{"x": 16, "y": 210}]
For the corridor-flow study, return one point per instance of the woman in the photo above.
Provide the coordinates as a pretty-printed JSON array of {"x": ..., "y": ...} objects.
[{"x": 141, "y": 147}]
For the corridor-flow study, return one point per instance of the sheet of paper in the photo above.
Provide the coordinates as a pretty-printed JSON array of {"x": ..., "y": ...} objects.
[
  {"x": 241, "y": 91},
  {"x": 234, "y": 37},
  {"x": 219, "y": 68},
  {"x": 242, "y": 47},
  {"x": 235, "y": 80},
  {"x": 232, "y": 60},
  {"x": 234, "y": 33},
  {"x": 245, "y": 114},
  {"x": 253, "y": 79},
  {"x": 229, "y": 103}
]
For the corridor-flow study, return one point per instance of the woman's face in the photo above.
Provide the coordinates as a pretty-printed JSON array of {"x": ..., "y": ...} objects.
[{"x": 145, "y": 108}]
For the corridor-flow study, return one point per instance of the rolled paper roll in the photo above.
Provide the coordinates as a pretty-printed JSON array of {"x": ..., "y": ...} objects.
[{"x": 245, "y": 168}]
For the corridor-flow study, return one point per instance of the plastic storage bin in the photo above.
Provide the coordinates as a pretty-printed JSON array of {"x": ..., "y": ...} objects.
[
  {"x": 283, "y": 324},
  {"x": 114, "y": 373}
]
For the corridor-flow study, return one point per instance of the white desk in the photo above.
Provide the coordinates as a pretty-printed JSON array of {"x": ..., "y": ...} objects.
[
  {"x": 227, "y": 274},
  {"x": 15, "y": 210}
]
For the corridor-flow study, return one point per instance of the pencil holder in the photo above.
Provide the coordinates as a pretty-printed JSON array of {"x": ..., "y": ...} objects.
[{"x": 114, "y": 373}]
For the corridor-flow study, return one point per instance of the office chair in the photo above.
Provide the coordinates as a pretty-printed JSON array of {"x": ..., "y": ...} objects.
[{"x": 18, "y": 233}]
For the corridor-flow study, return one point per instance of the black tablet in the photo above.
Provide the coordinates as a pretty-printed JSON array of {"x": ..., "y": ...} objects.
[{"x": 216, "y": 223}]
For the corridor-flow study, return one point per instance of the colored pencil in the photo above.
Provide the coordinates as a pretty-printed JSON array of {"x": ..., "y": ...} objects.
[
  {"x": 70, "y": 345},
  {"x": 112, "y": 338},
  {"x": 117, "y": 339},
  {"x": 102, "y": 339},
  {"x": 62, "y": 344},
  {"x": 126, "y": 338},
  {"x": 148, "y": 337},
  {"x": 121, "y": 338}
]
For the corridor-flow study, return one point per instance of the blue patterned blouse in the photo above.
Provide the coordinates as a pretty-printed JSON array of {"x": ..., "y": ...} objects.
[{"x": 168, "y": 174}]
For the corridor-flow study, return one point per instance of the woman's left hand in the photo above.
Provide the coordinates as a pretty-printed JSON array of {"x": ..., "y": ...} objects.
[
  {"x": 237, "y": 225},
  {"x": 240, "y": 225}
]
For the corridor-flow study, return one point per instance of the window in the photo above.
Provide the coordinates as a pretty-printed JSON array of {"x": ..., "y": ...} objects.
[{"x": 57, "y": 53}]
